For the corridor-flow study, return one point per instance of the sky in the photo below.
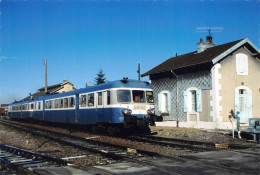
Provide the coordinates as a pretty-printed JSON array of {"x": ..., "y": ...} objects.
[{"x": 79, "y": 38}]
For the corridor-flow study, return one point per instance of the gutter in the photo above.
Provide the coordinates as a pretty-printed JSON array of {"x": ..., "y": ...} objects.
[{"x": 177, "y": 99}]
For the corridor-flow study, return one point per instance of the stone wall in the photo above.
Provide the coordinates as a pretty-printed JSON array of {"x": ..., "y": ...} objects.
[{"x": 201, "y": 80}]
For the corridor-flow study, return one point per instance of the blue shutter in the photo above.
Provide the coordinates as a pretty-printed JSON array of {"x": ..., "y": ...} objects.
[
  {"x": 169, "y": 102},
  {"x": 236, "y": 100},
  {"x": 159, "y": 102},
  {"x": 185, "y": 101},
  {"x": 250, "y": 105},
  {"x": 198, "y": 101}
]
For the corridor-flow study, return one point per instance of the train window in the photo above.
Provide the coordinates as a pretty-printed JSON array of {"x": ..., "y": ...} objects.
[
  {"x": 39, "y": 105},
  {"x": 56, "y": 103},
  {"x": 138, "y": 96},
  {"x": 108, "y": 97},
  {"x": 60, "y": 103},
  {"x": 46, "y": 104},
  {"x": 123, "y": 96},
  {"x": 149, "y": 96},
  {"x": 66, "y": 102},
  {"x": 52, "y": 104},
  {"x": 83, "y": 100},
  {"x": 71, "y": 102},
  {"x": 32, "y": 106},
  {"x": 91, "y": 101},
  {"x": 99, "y": 98}
]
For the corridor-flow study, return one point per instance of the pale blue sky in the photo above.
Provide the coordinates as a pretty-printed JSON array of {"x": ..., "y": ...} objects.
[{"x": 80, "y": 37}]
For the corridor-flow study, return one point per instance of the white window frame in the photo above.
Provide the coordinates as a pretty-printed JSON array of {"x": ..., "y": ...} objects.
[
  {"x": 242, "y": 64},
  {"x": 163, "y": 107},
  {"x": 188, "y": 101},
  {"x": 53, "y": 103}
]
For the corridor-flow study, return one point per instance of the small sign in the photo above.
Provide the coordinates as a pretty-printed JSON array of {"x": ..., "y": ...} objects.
[{"x": 224, "y": 146}]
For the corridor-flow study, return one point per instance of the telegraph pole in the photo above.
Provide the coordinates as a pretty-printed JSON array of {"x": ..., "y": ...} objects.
[
  {"x": 45, "y": 61},
  {"x": 138, "y": 71}
]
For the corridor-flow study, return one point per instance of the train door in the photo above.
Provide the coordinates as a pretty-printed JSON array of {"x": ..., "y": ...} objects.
[
  {"x": 100, "y": 107},
  {"x": 77, "y": 109}
]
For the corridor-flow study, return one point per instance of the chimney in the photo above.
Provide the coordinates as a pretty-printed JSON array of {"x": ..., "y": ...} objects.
[
  {"x": 204, "y": 45},
  {"x": 209, "y": 39},
  {"x": 65, "y": 80}
]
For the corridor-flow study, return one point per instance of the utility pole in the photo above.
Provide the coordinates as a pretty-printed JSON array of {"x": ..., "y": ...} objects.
[
  {"x": 138, "y": 71},
  {"x": 45, "y": 61}
]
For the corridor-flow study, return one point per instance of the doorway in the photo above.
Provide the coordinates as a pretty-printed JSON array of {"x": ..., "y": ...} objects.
[{"x": 243, "y": 103}]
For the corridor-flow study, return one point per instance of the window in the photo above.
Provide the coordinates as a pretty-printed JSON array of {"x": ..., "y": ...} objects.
[
  {"x": 71, "y": 102},
  {"x": 61, "y": 103},
  {"x": 56, "y": 104},
  {"x": 46, "y": 104},
  {"x": 25, "y": 107},
  {"x": 66, "y": 102},
  {"x": 51, "y": 104},
  {"x": 149, "y": 96},
  {"x": 39, "y": 105},
  {"x": 192, "y": 100},
  {"x": 83, "y": 100},
  {"x": 138, "y": 96},
  {"x": 32, "y": 106},
  {"x": 242, "y": 64},
  {"x": 108, "y": 97},
  {"x": 123, "y": 96},
  {"x": 91, "y": 101},
  {"x": 99, "y": 98},
  {"x": 164, "y": 101}
]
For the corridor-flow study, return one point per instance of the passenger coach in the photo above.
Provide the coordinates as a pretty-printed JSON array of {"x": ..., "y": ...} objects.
[{"x": 124, "y": 103}]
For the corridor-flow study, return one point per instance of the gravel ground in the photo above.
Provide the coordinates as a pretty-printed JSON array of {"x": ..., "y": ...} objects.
[
  {"x": 27, "y": 141},
  {"x": 209, "y": 136}
]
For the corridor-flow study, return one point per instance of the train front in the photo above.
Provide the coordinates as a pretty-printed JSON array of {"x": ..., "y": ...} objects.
[{"x": 137, "y": 105}]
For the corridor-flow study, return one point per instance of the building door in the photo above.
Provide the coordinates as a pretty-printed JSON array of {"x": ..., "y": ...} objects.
[{"x": 243, "y": 104}]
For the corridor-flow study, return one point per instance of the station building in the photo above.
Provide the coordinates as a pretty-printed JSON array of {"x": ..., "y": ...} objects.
[{"x": 200, "y": 88}]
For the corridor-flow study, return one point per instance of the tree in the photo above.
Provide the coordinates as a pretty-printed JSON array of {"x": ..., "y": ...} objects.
[{"x": 100, "y": 79}]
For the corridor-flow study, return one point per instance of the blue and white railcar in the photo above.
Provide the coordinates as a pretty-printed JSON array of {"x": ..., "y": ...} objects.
[{"x": 125, "y": 102}]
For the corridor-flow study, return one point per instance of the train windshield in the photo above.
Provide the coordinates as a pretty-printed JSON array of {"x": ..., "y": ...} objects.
[
  {"x": 123, "y": 96},
  {"x": 138, "y": 96},
  {"x": 149, "y": 96}
]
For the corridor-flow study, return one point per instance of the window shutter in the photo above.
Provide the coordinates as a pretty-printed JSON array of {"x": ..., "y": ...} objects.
[
  {"x": 159, "y": 102},
  {"x": 250, "y": 105},
  {"x": 198, "y": 101},
  {"x": 169, "y": 102},
  {"x": 185, "y": 101},
  {"x": 236, "y": 100},
  {"x": 242, "y": 64}
]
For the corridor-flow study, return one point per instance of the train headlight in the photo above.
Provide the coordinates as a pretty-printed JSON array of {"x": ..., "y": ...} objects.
[{"x": 127, "y": 111}]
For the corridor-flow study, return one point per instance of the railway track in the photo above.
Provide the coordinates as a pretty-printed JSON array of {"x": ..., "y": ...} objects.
[
  {"x": 25, "y": 162},
  {"x": 189, "y": 144},
  {"x": 119, "y": 153}
]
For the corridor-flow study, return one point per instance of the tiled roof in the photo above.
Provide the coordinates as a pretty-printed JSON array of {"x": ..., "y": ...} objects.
[
  {"x": 191, "y": 59},
  {"x": 50, "y": 89}
]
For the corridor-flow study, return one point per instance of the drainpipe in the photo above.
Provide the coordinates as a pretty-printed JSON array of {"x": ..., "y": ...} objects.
[{"x": 177, "y": 97}]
